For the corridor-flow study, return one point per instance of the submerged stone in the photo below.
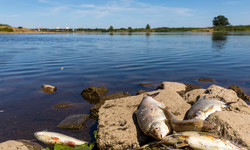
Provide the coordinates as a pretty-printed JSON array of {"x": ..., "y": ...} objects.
[
  {"x": 62, "y": 105},
  {"x": 94, "y": 94},
  {"x": 48, "y": 88},
  {"x": 206, "y": 80},
  {"x": 75, "y": 121}
]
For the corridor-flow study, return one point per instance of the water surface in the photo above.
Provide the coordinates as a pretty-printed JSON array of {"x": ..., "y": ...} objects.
[{"x": 120, "y": 62}]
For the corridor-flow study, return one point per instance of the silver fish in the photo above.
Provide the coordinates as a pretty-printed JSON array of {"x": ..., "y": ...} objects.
[
  {"x": 197, "y": 140},
  {"x": 57, "y": 138},
  {"x": 187, "y": 125},
  {"x": 204, "y": 107},
  {"x": 151, "y": 118}
]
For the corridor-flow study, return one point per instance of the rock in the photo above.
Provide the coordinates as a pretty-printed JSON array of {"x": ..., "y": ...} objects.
[
  {"x": 191, "y": 96},
  {"x": 48, "y": 88},
  {"x": 95, "y": 109},
  {"x": 191, "y": 87},
  {"x": 145, "y": 84},
  {"x": 206, "y": 80},
  {"x": 20, "y": 145},
  {"x": 140, "y": 92},
  {"x": 178, "y": 87},
  {"x": 75, "y": 121},
  {"x": 227, "y": 95},
  {"x": 62, "y": 105},
  {"x": 94, "y": 94},
  {"x": 240, "y": 93},
  {"x": 118, "y": 127},
  {"x": 116, "y": 95},
  {"x": 233, "y": 126}
]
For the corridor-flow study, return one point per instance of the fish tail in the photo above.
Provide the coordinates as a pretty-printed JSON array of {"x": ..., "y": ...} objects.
[
  {"x": 207, "y": 126},
  {"x": 228, "y": 104},
  {"x": 151, "y": 95}
]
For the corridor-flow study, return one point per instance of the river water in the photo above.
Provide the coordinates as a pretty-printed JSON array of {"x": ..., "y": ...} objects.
[{"x": 119, "y": 61}]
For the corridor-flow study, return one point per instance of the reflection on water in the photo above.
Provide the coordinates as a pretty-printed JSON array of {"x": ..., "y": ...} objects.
[{"x": 219, "y": 40}]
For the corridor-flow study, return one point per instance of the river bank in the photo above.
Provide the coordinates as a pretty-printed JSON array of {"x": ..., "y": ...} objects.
[{"x": 118, "y": 128}]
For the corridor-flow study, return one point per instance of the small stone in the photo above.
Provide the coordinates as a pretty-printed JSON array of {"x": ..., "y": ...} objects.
[
  {"x": 94, "y": 111},
  {"x": 116, "y": 95},
  {"x": 145, "y": 84},
  {"x": 94, "y": 94},
  {"x": 206, "y": 80},
  {"x": 75, "y": 121},
  {"x": 48, "y": 88},
  {"x": 62, "y": 105}
]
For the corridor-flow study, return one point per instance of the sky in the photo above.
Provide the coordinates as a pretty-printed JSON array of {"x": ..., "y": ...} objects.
[{"x": 121, "y": 13}]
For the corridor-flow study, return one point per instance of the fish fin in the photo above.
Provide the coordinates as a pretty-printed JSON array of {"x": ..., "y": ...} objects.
[
  {"x": 55, "y": 138},
  {"x": 209, "y": 109},
  {"x": 169, "y": 115},
  {"x": 202, "y": 97},
  {"x": 70, "y": 143},
  {"x": 183, "y": 137},
  {"x": 228, "y": 104},
  {"x": 152, "y": 95},
  {"x": 183, "y": 144}
]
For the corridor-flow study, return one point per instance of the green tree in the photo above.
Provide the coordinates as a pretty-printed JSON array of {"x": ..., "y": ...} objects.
[
  {"x": 129, "y": 28},
  {"x": 220, "y": 21},
  {"x": 111, "y": 28},
  {"x": 147, "y": 26}
]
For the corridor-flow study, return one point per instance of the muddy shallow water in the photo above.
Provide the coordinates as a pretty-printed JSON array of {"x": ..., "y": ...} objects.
[{"x": 119, "y": 61}]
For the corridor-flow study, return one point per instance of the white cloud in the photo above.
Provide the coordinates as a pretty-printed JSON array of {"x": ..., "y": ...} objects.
[
  {"x": 130, "y": 6},
  {"x": 118, "y": 7},
  {"x": 88, "y": 6}
]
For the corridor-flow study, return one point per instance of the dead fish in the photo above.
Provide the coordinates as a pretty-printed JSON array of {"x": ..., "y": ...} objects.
[
  {"x": 197, "y": 140},
  {"x": 187, "y": 125},
  {"x": 151, "y": 118},
  {"x": 204, "y": 107},
  {"x": 48, "y": 88},
  {"x": 57, "y": 138}
]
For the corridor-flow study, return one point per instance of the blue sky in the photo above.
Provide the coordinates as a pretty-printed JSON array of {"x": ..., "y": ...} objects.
[{"x": 121, "y": 13}]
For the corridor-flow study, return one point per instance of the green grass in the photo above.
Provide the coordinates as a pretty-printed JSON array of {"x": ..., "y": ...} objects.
[{"x": 6, "y": 29}]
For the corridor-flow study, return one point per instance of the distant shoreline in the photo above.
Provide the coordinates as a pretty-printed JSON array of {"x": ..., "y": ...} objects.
[{"x": 37, "y": 32}]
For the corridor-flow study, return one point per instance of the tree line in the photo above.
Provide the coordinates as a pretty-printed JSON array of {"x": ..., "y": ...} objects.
[{"x": 220, "y": 23}]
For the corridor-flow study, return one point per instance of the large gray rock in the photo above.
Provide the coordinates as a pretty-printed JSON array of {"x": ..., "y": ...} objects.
[
  {"x": 233, "y": 126},
  {"x": 20, "y": 145},
  {"x": 118, "y": 128},
  {"x": 95, "y": 109}
]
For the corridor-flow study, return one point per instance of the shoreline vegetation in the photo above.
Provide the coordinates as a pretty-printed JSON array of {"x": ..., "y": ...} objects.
[{"x": 6, "y": 29}]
